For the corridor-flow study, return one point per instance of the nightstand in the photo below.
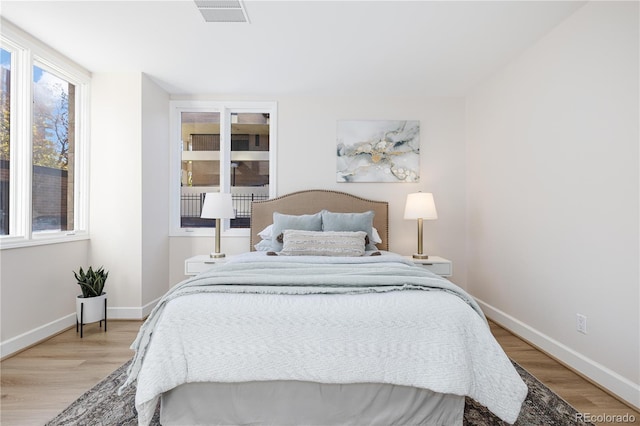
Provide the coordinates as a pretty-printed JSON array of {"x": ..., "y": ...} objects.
[
  {"x": 200, "y": 263},
  {"x": 437, "y": 265}
]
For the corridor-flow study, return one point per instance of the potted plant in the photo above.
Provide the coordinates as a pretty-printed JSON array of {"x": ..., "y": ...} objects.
[{"x": 91, "y": 305}]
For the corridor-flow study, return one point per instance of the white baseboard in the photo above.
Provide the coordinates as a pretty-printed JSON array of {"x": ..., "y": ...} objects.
[
  {"x": 618, "y": 385},
  {"x": 132, "y": 313},
  {"x": 31, "y": 337}
]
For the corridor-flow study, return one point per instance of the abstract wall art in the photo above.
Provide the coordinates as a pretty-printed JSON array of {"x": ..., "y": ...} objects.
[{"x": 378, "y": 151}]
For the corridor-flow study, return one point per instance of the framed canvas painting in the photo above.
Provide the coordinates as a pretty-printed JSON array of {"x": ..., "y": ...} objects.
[{"x": 378, "y": 151}]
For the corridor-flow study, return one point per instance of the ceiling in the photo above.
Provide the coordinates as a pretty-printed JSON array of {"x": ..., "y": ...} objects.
[{"x": 296, "y": 48}]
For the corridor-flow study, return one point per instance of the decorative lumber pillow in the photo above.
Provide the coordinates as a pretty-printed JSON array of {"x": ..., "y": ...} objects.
[
  {"x": 331, "y": 243},
  {"x": 266, "y": 236}
]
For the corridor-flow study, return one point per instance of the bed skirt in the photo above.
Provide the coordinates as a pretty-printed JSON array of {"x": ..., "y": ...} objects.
[{"x": 308, "y": 403}]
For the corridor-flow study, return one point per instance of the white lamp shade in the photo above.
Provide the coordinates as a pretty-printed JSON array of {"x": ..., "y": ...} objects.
[
  {"x": 217, "y": 206},
  {"x": 420, "y": 205}
]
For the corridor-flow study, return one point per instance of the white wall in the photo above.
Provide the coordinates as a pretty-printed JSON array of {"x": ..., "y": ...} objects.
[
  {"x": 38, "y": 292},
  {"x": 155, "y": 196},
  {"x": 129, "y": 187},
  {"x": 307, "y": 160},
  {"x": 552, "y": 184},
  {"x": 116, "y": 184}
]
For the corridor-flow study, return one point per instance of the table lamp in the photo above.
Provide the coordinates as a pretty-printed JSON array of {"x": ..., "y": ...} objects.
[
  {"x": 217, "y": 206},
  {"x": 420, "y": 206}
]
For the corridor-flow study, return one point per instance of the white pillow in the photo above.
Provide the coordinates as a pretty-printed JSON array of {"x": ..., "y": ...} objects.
[
  {"x": 375, "y": 237},
  {"x": 263, "y": 245},
  {"x": 265, "y": 234}
]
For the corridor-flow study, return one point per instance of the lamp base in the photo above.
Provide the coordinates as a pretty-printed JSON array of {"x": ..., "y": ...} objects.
[
  {"x": 216, "y": 255},
  {"x": 420, "y": 256}
]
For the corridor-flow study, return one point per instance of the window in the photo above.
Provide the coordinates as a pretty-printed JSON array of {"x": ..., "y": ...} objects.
[
  {"x": 52, "y": 152},
  {"x": 43, "y": 155},
  {"x": 220, "y": 147},
  {"x": 5, "y": 128}
]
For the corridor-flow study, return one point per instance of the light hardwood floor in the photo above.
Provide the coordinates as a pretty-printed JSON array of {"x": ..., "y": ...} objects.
[
  {"x": 580, "y": 393},
  {"x": 41, "y": 381}
]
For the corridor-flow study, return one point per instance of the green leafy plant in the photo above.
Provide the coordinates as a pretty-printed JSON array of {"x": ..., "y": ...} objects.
[{"x": 91, "y": 282}]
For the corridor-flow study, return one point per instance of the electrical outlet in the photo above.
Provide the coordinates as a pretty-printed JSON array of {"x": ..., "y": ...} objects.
[{"x": 581, "y": 323}]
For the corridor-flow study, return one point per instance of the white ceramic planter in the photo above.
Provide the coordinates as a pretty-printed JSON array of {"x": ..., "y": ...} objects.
[{"x": 92, "y": 309}]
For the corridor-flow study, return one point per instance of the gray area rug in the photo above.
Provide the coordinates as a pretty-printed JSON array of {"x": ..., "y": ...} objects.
[{"x": 102, "y": 406}]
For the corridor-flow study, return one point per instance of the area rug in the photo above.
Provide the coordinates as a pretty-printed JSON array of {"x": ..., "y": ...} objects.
[{"x": 102, "y": 406}]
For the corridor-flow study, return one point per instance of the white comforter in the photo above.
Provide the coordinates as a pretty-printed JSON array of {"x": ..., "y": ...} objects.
[{"x": 438, "y": 340}]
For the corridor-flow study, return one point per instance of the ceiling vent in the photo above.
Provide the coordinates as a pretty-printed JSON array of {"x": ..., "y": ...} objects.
[{"x": 222, "y": 10}]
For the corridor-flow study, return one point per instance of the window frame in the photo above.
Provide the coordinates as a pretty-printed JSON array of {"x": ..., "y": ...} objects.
[
  {"x": 225, "y": 109},
  {"x": 28, "y": 52}
]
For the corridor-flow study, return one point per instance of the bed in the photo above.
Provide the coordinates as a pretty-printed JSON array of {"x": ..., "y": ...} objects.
[{"x": 319, "y": 326}]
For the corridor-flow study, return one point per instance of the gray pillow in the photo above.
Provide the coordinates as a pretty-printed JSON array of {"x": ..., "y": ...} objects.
[
  {"x": 350, "y": 222},
  {"x": 304, "y": 222}
]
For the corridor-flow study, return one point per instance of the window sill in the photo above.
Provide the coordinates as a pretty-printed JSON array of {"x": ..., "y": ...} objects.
[{"x": 41, "y": 240}]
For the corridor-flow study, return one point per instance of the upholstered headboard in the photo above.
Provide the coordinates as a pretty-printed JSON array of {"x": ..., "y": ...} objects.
[{"x": 312, "y": 201}]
